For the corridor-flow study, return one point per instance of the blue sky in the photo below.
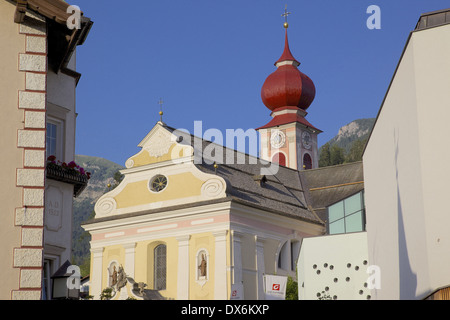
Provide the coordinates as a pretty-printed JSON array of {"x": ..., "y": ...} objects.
[{"x": 208, "y": 60}]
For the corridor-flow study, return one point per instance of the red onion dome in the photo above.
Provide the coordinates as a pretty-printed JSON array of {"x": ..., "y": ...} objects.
[{"x": 287, "y": 86}]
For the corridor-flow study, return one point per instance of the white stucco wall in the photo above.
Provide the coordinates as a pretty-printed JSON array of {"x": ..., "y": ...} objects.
[
  {"x": 336, "y": 265},
  {"x": 406, "y": 172},
  {"x": 61, "y": 97},
  {"x": 58, "y": 221}
]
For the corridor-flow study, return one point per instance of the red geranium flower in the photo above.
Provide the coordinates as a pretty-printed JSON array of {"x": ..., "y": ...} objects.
[{"x": 72, "y": 164}]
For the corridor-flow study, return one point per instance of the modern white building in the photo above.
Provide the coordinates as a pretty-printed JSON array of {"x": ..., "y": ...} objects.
[{"x": 406, "y": 172}]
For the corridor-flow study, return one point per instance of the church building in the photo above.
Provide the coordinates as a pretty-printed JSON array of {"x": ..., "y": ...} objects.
[{"x": 182, "y": 225}]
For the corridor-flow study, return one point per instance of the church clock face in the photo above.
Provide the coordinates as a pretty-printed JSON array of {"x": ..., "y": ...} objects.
[
  {"x": 277, "y": 139},
  {"x": 306, "y": 140}
]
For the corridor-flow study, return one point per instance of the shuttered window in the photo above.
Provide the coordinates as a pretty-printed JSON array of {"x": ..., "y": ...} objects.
[{"x": 160, "y": 258}]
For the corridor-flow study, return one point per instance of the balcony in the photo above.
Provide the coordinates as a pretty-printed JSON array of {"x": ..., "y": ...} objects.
[{"x": 70, "y": 173}]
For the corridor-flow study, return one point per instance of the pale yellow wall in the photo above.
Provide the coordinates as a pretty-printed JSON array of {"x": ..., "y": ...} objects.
[
  {"x": 143, "y": 271},
  {"x": 179, "y": 186},
  {"x": 11, "y": 43},
  {"x": 142, "y": 158},
  {"x": 111, "y": 253},
  {"x": 196, "y": 243}
]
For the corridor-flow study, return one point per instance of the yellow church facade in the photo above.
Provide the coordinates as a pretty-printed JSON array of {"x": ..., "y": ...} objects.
[{"x": 181, "y": 228}]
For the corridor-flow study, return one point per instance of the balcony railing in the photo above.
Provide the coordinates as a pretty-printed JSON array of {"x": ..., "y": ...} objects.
[{"x": 69, "y": 175}]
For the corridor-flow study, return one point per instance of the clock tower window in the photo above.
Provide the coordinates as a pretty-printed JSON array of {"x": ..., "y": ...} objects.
[
  {"x": 279, "y": 158},
  {"x": 307, "y": 162}
]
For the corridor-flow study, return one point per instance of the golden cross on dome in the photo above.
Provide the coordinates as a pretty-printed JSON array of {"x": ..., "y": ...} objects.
[
  {"x": 160, "y": 102},
  {"x": 285, "y": 15}
]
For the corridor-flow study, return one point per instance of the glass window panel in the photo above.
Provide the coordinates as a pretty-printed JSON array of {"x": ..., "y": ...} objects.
[
  {"x": 354, "y": 222},
  {"x": 51, "y": 139},
  {"x": 336, "y": 211},
  {"x": 337, "y": 227},
  {"x": 352, "y": 204}
]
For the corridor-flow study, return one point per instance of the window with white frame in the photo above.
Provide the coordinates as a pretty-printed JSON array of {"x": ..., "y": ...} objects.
[
  {"x": 46, "y": 280},
  {"x": 54, "y": 138}
]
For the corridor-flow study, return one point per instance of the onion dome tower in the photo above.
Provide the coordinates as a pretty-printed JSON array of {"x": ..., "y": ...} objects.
[{"x": 289, "y": 138}]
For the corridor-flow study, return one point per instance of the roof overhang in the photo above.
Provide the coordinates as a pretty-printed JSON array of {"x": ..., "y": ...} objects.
[{"x": 62, "y": 40}]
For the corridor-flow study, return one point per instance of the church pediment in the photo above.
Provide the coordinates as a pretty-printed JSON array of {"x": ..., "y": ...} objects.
[
  {"x": 159, "y": 145},
  {"x": 162, "y": 174}
]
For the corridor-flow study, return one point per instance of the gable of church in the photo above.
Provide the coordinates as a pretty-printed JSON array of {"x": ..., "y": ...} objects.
[{"x": 162, "y": 174}]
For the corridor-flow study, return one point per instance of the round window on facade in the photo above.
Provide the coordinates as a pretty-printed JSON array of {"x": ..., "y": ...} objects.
[{"x": 158, "y": 183}]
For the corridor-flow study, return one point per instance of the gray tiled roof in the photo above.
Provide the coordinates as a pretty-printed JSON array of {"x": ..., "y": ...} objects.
[
  {"x": 301, "y": 194},
  {"x": 328, "y": 185},
  {"x": 297, "y": 194},
  {"x": 281, "y": 193}
]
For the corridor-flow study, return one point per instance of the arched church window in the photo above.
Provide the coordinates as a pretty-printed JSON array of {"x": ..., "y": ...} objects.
[
  {"x": 160, "y": 262},
  {"x": 279, "y": 158},
  {"x": 283, "y": 257},
  {"x": 307, "y": 161},
  {"x": 288, "y": 255}
]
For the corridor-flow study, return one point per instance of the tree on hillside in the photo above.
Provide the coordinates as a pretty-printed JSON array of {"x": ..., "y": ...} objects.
[
  {"x": 337, "y": 155},
  {"x": 356, "y": 151},
  {"x": 331, "y": 155},
  {"x": 324, "y": 156}
]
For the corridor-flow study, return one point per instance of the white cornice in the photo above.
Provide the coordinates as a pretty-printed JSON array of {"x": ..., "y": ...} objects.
[
  {"x": 151, "y": 218},
  {"x": 294, "y": 224},
  {"x": 161, "y": 164},
  {"x": 217, "y": 228}
]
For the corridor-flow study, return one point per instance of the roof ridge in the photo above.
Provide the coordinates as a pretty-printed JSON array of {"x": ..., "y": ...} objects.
[
  {"x": 336, "y": 165},
  {"x": 228, "y": 148}
]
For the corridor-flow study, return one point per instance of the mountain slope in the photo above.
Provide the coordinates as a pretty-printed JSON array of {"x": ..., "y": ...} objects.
[
  {"x": 348, "y": 145},
  {"x": 102, "y": 172},
  {"x": 356, "y": 130}
]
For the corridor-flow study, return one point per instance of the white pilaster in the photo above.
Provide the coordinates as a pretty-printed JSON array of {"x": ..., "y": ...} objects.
[
  {"x": 291, "y": 140},
  {"x": 220, "y": 266},
  {"x": 130, "y": 249},
  {"x": 260, "y": 267},
  {"x": 183, "y": 268},
  {"x": 264, "y": 145},
  {"x": 96, "y": 277},
  {"x": 237, "y": 257}
]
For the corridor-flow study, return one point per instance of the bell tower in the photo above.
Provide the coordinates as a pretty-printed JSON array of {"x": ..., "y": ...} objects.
[{"x": 289, "y": 139}]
